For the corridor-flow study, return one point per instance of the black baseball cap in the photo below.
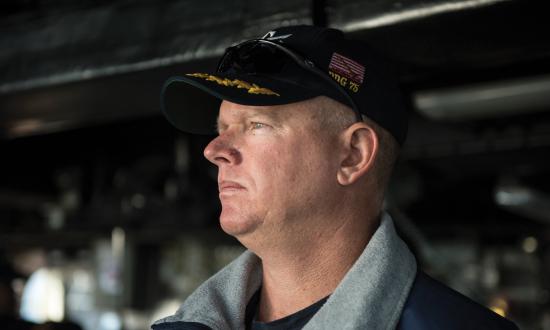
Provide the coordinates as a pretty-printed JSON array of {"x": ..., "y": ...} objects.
[{"x": 287, "y": 65}]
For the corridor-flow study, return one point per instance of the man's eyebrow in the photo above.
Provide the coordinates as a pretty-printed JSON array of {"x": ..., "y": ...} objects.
[{"x": 272, "y": 115}]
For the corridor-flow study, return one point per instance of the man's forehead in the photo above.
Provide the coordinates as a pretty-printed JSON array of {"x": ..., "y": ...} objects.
[{"x": 276, "y": 112}]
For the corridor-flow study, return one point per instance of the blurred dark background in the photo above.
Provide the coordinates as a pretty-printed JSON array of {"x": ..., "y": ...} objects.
[{"x": 108, "y": 216}]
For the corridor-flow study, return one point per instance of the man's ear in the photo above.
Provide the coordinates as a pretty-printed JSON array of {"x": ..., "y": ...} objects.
[{"x": 359, "y": 150}]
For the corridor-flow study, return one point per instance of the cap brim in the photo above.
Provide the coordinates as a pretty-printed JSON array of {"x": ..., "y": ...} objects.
[{"x": 191, "y": 102}]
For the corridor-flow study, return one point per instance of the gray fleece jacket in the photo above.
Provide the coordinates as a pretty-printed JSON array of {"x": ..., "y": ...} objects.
[{"x": 371, "y": 295}]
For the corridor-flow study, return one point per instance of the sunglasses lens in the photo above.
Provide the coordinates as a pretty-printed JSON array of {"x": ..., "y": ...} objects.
[{"x": 254, "y": 58}]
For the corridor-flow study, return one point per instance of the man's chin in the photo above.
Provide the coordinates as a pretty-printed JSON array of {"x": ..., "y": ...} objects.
[
  {"x": 236, "y": 229},
  {"x": 237, "y": 226}
]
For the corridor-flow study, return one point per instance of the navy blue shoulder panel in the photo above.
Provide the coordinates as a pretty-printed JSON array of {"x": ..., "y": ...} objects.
[
  {"x": 433, "y": 306},
  {"x": 180, "y": 326}
]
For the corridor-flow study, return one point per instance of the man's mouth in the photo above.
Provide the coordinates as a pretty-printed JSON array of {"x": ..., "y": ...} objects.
[{"x": 229, "y": 186}]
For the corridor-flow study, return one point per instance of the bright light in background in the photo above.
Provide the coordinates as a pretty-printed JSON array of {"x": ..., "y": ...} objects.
[
  {"x": 43, "y": 297},
  {"x": 530, "y": 244},
  {"x": 110, "y": 321},
  {"x": 514, "y": 196},
  {"x": 118, "y": 241}
]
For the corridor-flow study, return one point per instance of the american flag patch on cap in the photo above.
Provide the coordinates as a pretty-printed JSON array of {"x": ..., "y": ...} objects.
[{"x": 347, "y": 67}]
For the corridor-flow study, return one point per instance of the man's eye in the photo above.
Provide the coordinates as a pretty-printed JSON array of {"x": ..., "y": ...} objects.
[{"x": 255, "y": 125}]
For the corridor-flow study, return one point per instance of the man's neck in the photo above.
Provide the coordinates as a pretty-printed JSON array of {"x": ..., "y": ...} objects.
[{"x": 302, "y": 276}]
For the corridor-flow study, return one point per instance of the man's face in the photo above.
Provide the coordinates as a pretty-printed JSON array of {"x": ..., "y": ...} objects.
[{"x": 275, "y": 168}]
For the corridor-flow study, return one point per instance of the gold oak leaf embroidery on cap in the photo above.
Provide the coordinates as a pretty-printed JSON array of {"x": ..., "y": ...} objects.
[{"x": 250, "y": 87}]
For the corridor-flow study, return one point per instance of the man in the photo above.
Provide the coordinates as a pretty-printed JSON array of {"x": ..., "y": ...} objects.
[{"x": 308, "y": 131}]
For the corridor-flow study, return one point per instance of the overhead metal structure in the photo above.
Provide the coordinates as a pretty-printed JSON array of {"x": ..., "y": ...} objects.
[{"x": 69, "y": 64}]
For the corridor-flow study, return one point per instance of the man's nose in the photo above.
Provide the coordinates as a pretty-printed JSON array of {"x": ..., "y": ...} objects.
[{"x": 222, "y": 150}]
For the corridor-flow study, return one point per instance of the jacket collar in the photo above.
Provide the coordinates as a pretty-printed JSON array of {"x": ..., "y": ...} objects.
[{"x": 370, "y": 296}]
